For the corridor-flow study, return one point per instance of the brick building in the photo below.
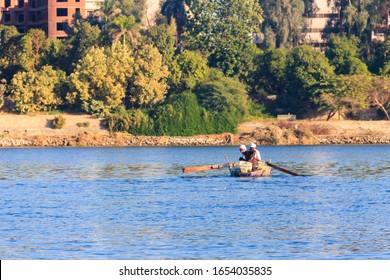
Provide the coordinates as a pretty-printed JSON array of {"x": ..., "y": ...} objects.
[{"x": 50, "y": 15}]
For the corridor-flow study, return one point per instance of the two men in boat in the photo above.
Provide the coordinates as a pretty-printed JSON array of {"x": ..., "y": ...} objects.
[{"x": 251, "y": 155}]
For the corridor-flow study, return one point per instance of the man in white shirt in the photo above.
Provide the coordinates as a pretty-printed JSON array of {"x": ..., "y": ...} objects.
[{"x": 252, "y": 147}]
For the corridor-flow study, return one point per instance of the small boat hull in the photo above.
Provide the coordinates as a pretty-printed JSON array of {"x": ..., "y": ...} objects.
[{"x": 244, "y": 169}]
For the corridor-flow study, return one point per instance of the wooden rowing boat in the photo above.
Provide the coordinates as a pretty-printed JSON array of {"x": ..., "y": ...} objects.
[{"x": 244, "y": 169}]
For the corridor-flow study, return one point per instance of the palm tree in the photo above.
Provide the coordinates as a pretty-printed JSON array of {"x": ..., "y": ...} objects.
[
  {"x": 108, "y": 9},
  {"x": 124, "y": 25},
  {"x": 177, "y": 9}
]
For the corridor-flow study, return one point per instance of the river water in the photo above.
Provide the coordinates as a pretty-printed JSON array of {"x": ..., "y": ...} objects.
[{"x": 135, "y": 203}]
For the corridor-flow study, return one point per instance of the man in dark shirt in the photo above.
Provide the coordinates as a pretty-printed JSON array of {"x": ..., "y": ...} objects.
[
  {"x": 245, "y": 153},
  {"x": 249, "y": 156}
]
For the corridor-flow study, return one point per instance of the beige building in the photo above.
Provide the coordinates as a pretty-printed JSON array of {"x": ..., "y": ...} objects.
[
  {"x": 91, "y": 6},
  {"x": 325, "y": 14}
]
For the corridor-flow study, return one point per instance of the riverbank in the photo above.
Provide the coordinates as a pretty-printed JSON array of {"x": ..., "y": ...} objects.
[
  {"x": 315, "y": 132},
  {"x": 85, "y": 130}
]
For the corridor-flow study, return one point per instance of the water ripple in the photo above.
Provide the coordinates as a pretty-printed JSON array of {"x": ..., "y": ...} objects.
[{"x": 119, "y": 204}]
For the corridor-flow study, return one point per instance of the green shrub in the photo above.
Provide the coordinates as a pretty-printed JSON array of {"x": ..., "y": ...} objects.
[
  {"x": 117, "y": 122},
  {"x": 224, "y": 95},
  {"x": 59, "y": 122},
  {"x": 180, "y": 115},
  {"x": 257, "y": 110},
  {"x": 133, "y": 121}
]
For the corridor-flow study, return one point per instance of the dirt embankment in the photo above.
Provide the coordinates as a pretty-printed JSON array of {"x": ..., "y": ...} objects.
[
  {"x": 84, "y": 130},
  {"x": 303, "y": 132}
]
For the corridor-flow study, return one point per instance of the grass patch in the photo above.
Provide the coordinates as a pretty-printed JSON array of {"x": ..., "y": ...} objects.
[{"x": 83, "y": 124}]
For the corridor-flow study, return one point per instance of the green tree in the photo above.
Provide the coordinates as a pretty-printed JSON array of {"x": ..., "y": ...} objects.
[
  {"x": 109, "y": 9},
  {"x": 99, "y": 82},
  {"x": 224, "y": 29},
  {"x": 380, "y": 94},
  {"x": 9, "y": 51},
  {"x": 342, "y": 93},
  {"x": 270, "y": 72},
  {"x": 124, "y": 26},
  {"x": 7, "y": 32},
  {"x": 284, "y": 23},
  {"x": 236, "y": 58},
  {"x": 306, "y": 67},
  {"x": 343, "y": 55},
  {"x": 355, "y": 15},
  {"x": 127, "y": 11},
  {"x": 176, "y": 9},
  {"x": 81, "y": 36},
  {"x": 384, "y": 58},
  {"x": 385, "y": 70},
  {"x": 35, "y": 47},
  {"x": 32, "y": 91},
  {"x": 226, "y": 97},
  {"x": 188, "y": 69},
  {"x": 216, "y": 22},
  {"x": 161, "y": 37},
  {"x": 148, "y": 84},
  {"x": 3, "y": 89}
]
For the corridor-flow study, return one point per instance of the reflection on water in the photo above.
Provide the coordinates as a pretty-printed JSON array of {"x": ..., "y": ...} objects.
[
  {"x": 134, "y": 203},
  {"x": 356, "y": 169}
]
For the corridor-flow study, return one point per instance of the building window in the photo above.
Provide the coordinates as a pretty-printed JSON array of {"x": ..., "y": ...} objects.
[
  {"x": 7, "y": 17},
  {"x": 60, "y": 26},
  {"x": 77, "y": 12},
  {"x": 7, "y": 3},
  {"x": 77, "y": 1},
  {"x": 20, "y": 3},
  {"x": 20, "y": 17},
  {"x": 33, "y": 17},
  {"x": 62, "y": 0},
  {"x": 62, "y": 12},
  {"x": 32, "y": 4}
]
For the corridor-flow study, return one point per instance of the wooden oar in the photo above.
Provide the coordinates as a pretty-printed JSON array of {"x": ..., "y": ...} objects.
[
  {"x": 204, "y": 168},
  {"x": 282, "y": 169}
]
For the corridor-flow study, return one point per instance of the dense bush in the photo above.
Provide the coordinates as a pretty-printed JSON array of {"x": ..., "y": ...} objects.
[
  {"x": 132, "y": 121},
  {"x": 181, "y": 115},
  {"x": 59, "y": 122}
]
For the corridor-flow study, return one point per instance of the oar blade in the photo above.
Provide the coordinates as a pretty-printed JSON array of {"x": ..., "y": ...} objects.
[{"x": 282, "y": 169}]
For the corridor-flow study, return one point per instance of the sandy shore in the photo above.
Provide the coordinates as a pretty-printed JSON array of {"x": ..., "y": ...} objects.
[
  {"x": 41, "y": 125},
  {"x": 36, "y": 130}
]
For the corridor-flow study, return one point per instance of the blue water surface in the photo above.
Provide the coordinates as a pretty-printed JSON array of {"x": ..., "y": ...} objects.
[{"x": 135, "y": 203}]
